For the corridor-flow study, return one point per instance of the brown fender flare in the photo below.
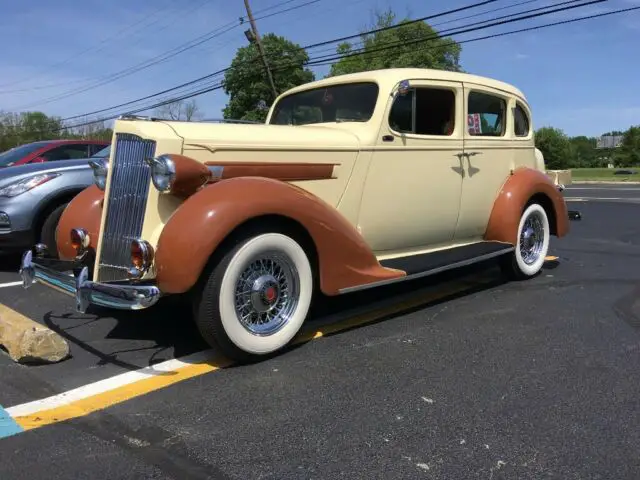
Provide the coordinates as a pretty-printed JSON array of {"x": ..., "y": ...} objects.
[
  {"x": 205, "y": 219},
  {"x": 520, "y": 187},
  {"x": 84, "y": 211}
]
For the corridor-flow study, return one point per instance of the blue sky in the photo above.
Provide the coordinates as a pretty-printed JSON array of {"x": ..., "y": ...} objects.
[{"x": 580, "y": 77}]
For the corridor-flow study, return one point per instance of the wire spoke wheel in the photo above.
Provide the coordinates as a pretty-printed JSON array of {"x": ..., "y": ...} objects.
[
  {"x": 266, "y": 294},
  {"x": 532, "y": 238}
]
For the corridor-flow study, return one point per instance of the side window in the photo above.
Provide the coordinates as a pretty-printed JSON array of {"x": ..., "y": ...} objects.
[
  {"x": 94, "y": 148},
  {"x": 486, "y": 115},
  {"x": 424, "y": 111},
  {"x": 66, "y": 152},
  {"x": 521, "y": 121}
]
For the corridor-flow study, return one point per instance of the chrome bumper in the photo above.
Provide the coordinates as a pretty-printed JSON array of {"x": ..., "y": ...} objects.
[{"x": 60, "y": 276}]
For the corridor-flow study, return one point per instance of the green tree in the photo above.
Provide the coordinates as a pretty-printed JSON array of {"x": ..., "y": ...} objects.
[
  {"x": 439, "y": 52},
  {"x": 25, "y": 127},
  {"x": 585, "y": 154},
  {"x": 247, "y": 84},
  {"x": 628, "y": 153},
  {"x": 556, "y": 148}
]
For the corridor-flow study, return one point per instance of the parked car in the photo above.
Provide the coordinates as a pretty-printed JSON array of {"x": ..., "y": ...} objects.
[
  {"x": 33, "y": 196},
  {"x": 354, "y": 182},
  {"x": 50, "y": 150}
]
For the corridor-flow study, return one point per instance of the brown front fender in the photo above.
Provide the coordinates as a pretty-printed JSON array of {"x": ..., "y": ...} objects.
[
  {"x": 205, "y": 219},
  {"x": 520, "y": 187},
  {"x": 84, "y": 211}
]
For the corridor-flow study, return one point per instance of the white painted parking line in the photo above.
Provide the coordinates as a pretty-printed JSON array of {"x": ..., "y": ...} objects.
[
  {"x": 10, "y": 284},
  {"x": 602, "y": 199},
  {"x": 617, "y": 189}
]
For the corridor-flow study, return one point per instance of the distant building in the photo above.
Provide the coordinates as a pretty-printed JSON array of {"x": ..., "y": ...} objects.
[{"x": 609, "y": 141}]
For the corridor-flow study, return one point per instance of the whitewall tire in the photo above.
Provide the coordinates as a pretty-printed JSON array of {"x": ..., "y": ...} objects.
[
  {"x": 256, "y": 297},
  {"x": 533, "y": 243}
]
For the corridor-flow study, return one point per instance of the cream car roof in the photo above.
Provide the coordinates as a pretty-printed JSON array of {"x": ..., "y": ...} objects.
[{"x": 388, "y": 78}]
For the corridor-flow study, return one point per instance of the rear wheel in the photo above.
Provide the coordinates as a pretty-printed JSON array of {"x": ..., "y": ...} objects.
[
  {"x": 533, "y": 244},
  {"x": 256, "y": 297}
]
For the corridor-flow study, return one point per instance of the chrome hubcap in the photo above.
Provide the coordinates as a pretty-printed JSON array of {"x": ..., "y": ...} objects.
[
  {"x": 532, "y": 239},
  {"x": 266, "y": 294}
]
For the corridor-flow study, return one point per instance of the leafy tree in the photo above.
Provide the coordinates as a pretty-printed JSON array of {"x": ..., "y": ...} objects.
[
  {"x": 186, "y": 110},
  {"x": 247, "y": 84},
  {"x": 585, "y": 154},
  {"x": 628, "y": 153},
  {"x": 556, "y": 148},
  {"x": 25, "y": 127},
  {"x": 438, "y": 52}
]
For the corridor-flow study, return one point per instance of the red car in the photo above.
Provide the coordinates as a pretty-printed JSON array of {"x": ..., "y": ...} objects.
[{"x": 50, "y": 150}]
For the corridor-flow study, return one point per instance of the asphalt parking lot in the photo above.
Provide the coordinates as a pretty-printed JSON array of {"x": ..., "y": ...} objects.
[{"x": 460, "y": 376}]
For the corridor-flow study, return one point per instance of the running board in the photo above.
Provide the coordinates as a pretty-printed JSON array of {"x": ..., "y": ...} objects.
[{"x": 427, "y": 264}]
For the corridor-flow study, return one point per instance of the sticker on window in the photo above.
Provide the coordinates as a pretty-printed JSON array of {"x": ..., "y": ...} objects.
[{"x": 474, "y": 125}]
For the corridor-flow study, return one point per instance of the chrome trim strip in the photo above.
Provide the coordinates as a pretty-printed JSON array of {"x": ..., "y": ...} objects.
[
  {"x": 427, "y": 273},
  {"x": 126, "y": 204},
  {"x": 86, "y": 292}
]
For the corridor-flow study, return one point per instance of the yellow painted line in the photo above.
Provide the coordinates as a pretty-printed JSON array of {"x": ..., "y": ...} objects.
[
  {"x": 106, "y": 399},
  {"x": 105, "y": 393}
]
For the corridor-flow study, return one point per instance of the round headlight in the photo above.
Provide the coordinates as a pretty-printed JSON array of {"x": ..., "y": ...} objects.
[
  {"x": 163, "y": 173},
  {"x": 99, "y": 167}
]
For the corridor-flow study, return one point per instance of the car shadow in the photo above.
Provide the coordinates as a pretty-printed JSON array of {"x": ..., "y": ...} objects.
[
  {"x": 144, "y": 338},
  {"x": 10, "y": 263}
]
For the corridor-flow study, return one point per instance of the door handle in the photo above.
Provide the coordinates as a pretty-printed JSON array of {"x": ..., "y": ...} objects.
[{"x": 471, "y": 154}]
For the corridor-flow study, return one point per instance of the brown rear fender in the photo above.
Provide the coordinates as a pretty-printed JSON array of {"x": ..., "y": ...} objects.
[
  {"x": 206, "y": 218},
  {"x": 84, "y": 211},
  {"x": 524, "y": 185}
]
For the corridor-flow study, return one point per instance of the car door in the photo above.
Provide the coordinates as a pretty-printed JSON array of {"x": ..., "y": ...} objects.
[
  {"x": 411, "y": 197},
  {"x": 488, "y": 156}
]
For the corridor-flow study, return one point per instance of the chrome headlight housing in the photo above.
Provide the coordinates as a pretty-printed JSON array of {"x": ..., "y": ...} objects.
[
  {"x": 163, "y": 172},
  {"x": 100, "y": 169},
  {"x": 24, "y": 185}
]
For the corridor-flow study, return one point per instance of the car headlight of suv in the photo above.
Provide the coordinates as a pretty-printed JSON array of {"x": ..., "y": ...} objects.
[
  {"x": 24, "y": 185},
  {"x": 163, "y": 172},
  {"x": 99, "y": 167}
]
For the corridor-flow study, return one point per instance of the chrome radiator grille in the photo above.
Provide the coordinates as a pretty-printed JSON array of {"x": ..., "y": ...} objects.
[{"x": 126, "y": 204}]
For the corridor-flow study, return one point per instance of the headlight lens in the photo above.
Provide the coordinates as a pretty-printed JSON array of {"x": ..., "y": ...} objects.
[
  {"x": 99, "y": 167},
  {"x": 163, "y": 172},
  {"x": 21, "y": 186}
]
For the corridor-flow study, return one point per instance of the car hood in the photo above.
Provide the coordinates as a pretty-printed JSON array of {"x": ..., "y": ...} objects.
[{"x": 13, "y": 174}]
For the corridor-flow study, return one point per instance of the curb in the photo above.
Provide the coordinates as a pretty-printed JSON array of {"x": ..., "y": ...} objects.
[{"x": 29, "y": 342}]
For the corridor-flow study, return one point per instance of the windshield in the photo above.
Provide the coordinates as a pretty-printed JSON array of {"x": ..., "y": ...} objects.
[
  {"x": 104, "y": 153},
  {"x": 9, "y": 157},
  {"x": 353, "y": 102}
]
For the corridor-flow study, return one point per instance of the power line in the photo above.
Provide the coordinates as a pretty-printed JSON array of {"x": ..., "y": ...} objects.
[
  {"x": 161, "y": 58},
  {"x": 496, "y": 35},
  {"x": 257, "y": 58},
  {"x": 474, "y": 27}
]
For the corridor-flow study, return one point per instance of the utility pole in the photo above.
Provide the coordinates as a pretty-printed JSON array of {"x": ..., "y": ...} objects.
[{"x": 256, "y": 36}]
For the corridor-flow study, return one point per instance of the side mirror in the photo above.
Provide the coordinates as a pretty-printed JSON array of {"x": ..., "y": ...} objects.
[{"x": 39, "y": 160}]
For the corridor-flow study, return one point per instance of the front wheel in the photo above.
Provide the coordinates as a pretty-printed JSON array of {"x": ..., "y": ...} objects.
[
  {"x": 256, "y": 297},
  {"x": 533, "y": 244}
]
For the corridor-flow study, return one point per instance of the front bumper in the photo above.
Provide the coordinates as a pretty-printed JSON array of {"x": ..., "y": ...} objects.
[{"x": 72, "y": 278}]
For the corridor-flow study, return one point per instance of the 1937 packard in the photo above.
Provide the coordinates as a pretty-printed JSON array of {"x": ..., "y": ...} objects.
[{"x": 353, "y": 182}]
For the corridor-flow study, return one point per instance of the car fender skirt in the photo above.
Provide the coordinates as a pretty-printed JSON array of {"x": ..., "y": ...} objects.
[
  {"x": 520, "y": 187},
  {"x": 84, "y": 211},
  {"x": 205, "y": 219}
]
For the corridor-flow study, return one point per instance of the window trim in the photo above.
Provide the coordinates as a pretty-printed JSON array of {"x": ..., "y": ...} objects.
[
  {"x": 527, "y": 116},
  {"x": 506, "y": 99},
  {"x": 414, "y": 100}
]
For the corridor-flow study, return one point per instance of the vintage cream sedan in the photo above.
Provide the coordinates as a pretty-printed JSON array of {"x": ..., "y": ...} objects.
[{"x": 353, "y": 182}]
